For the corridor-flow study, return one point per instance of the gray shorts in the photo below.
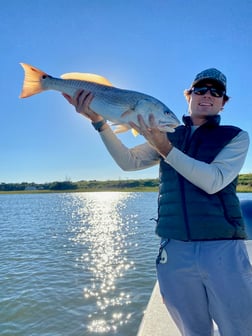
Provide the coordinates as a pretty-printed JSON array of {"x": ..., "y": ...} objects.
[{"x": 205, "y": 281}]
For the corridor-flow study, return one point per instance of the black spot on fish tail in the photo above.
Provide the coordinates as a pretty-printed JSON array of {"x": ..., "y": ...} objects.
[{"x": 46, "y": 76}]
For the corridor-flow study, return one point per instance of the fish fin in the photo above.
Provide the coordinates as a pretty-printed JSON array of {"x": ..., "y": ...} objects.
[
  {"x": 125, "y": 128},
  {"x": 134, "y": 132},
  {"x": 121, "y": 129},
  {"x": 126, "y": 113},
  {"x": 32, "y": 81},
  {"x": 87, "y": 77}
]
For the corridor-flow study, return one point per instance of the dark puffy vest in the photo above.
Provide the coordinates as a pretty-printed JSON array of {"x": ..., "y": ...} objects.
[{"x": 186, "y": 212}]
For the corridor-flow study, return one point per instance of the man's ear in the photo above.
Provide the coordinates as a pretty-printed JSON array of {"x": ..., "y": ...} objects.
[{"x": 223, "y": 103}]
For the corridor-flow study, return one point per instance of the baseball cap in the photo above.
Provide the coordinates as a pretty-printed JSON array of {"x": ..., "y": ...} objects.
[{"x": 211, "y": 74}]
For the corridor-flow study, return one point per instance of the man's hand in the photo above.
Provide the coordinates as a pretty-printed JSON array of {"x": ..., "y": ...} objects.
[
  {"x": 82, "y": 100},
  {"x": 153, "y": 135}
]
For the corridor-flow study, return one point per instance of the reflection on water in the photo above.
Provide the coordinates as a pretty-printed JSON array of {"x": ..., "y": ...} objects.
[
  {"x": 103, "y": 231},
  {"x": 76, "y": 264}
]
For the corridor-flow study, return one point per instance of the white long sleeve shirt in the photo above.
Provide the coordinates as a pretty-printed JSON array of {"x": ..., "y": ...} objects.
[{"x": 209, "y": 177}]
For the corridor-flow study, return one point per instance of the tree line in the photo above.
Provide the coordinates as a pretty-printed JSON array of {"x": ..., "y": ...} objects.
[
  {"x": 80, "y": 185},
  {"x": 244, "y": 185}
]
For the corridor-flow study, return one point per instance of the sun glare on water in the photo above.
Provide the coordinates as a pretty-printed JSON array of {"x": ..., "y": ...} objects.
[{"x": 101, "y": 235}]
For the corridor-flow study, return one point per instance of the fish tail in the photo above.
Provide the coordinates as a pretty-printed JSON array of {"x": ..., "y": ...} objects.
[{"x": 32, "y": 81}]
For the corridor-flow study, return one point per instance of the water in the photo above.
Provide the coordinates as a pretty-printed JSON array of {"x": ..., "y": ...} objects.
[{"x": 76, "y": 264}]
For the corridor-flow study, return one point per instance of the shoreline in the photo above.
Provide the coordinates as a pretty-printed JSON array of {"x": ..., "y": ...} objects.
[
  {"x": 104, "y": 189},
  {"x": 47, "y": 191},
  {"x": 130, "y": 185}
]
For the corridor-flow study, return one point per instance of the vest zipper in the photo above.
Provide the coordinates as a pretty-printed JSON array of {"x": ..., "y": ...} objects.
[
  {"x": 187, "y": 141},
  {"x": 184, "y": 207}
]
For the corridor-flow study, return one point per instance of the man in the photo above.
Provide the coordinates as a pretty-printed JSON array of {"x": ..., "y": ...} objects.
[{"x": 203, "y": 267}]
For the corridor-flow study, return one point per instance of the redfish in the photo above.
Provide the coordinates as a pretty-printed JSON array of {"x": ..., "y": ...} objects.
[{"x": 119, "y": 106}]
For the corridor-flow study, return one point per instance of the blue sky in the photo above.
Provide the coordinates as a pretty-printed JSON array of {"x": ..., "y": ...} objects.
[{"x": 155, "y": 47}]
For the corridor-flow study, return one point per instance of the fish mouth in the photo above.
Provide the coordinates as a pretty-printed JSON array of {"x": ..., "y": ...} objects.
[
  {"x": 164, "y": 127},
  {"x": 168, "y": 124}
]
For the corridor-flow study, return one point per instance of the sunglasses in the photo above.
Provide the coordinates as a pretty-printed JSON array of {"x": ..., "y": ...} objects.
[{"x": 200, "y": 91}]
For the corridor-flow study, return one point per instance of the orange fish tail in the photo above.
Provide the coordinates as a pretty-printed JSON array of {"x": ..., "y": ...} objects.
[{"x": 32, "y": 81}]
